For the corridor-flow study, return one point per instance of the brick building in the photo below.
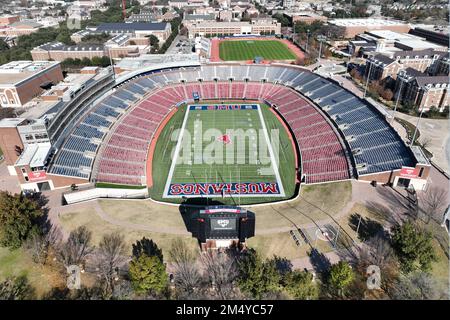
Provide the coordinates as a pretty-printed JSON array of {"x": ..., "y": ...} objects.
[
  {"x": 422, "y": 90},
  {"x": 20, "y": 28},
  {"x": 206, "y": 28},
  {"x": 382, "y": 66},
  {"x": 21, "y": 81}
]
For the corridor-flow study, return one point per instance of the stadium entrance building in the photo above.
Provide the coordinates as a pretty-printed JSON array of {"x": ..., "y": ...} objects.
[{"x": 222, "y": 226}]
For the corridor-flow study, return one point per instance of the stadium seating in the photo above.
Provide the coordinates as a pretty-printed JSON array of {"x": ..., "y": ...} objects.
[{"x": 319, "y": 112}]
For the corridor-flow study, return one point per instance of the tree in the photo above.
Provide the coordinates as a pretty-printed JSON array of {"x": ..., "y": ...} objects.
[
  {"x": 40, "y": 244},
  {"x": 222, "y": 273},
  {"x": 257, "y": 276},
  {"x": 148, "y": 247},
  {"x": 16, "y": 289},
  {"x": 416, "y": 286},
  {"x": 19, "y": 219},
  {"x": 413, "y": 247},
  {"x": 433, "y": 202},
  {"x": 148, "y": 275},
  {"x": 154, "y": 41},
  {"x": 110, "y": 256},
  {"x": 300, "y": 285},
  {"x": 339, "y": 278},
  {"x": 187, "y": 278},
  {"x": 77, "y": 247}
]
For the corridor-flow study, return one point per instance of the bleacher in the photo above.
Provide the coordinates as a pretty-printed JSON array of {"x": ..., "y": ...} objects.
[{"x": 374, "y": 145}]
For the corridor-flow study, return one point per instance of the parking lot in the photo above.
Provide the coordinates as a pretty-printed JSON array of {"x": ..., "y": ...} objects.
[{"x": 181, "y": 44}]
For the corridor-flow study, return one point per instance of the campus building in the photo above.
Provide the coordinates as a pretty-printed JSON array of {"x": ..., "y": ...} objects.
[
  {"x": 117, "y": 47},
  {"x": 21, "y": 81},
  {"x": 307, "y": 17},
  {"x": 355, "y": 26},
  {"x": 422, "y": 90},
  {"x": 20, "y": 28},
  {"x": 382, "y": 66},
  {"x": 206, "y": 28}
]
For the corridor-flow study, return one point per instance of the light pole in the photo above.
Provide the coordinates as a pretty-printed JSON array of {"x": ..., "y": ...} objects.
[
  {"x": 321, "y": 38},
  {"x": 367, "y": 81},
  {"x": 111, "y": 63},
  {"x": 396, "y": 102},
  {"x": 417, "y": 127},
  {"x": 307, "y": 40}
]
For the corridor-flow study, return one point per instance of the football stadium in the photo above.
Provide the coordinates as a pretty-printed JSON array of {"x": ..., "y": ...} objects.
[{"x": 241, "y": 133}]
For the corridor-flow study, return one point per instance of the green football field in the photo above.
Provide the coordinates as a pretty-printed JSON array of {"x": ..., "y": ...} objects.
[
  {"x": 201, "y": 164},
  {"x": 234, "y": 50}
]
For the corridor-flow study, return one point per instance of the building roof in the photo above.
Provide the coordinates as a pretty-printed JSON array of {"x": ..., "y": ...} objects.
[
  {"x": 10, "y": 122},
  {"x": 423, "y": 81},
  {"x": 414, "y": 72},
  {"x": 59, "y": 46},
  {"x": 383, "y": 58},
  {"x": 365, "y": 22},
  {"x": 14, "y": 72},
  {"x": 30, "y": 24},
  {"x": 390, "y": 35},
  {"x": 133, "y": 26},
  {"x": 199, "y": 17},
  {"x": 419, "y": 53},
  {"x": 34, "y": 155}
]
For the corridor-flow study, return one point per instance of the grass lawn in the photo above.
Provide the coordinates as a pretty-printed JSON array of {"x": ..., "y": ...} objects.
[
  {"x": 144, "y": 213},
  {"x": 317, "y": 202},
  {"x": 282, "y": 245},
  {"x": 234, "y": 50},
  {"x": 99, "y": 227},
  {"x": 18, "y": 263},
  {"x": 195, "y": 168}
]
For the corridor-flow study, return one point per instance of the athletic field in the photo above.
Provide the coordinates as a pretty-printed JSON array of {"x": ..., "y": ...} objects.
[
  {"x": 233, "y": 50},
  {"x": 235, "y": 152}
]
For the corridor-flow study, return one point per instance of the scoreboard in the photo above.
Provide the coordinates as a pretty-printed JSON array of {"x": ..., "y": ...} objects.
[{"x": 215, "y": 225}]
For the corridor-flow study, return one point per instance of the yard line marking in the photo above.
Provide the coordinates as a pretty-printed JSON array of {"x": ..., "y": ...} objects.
[
  {"x": 175, "y": 157},
  {"x": 272, "y": 157}
]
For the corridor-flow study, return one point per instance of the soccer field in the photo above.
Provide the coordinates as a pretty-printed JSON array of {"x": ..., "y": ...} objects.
[{"x": 234, "y": 50}]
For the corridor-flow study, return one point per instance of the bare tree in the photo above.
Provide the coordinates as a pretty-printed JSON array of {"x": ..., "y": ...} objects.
[
  {"x": 77, "y": 247},
  {"x": 433, "y": 202},
  {"x": 41, "y": 244},
  {"x": 378, "y": 251},
  {"x": 111, "y": 255},
  {"x": 222, "y": 272},
  {"x": 425, "y": 142},
  {"x": 187, "y": 277},
  {"x": 417, "y": 286}
]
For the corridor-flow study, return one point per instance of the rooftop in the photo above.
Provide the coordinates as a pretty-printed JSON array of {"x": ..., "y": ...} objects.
[
  {"x": 133, "y": 26},
  {"x": 34, "y": 155},
  {"x": 365, "y": 22},
  {"x": 390, "y": 35},
  {"x": 10, "y": 122},
  {"x": 59, "y": 46},
  {"x": 149, "y": 59},
  {"x": 423, "y": 81},
  {"x": 16, "y": 71}
]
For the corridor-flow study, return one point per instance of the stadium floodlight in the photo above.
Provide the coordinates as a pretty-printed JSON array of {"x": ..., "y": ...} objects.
[
  {"x": 367, "y": 80},
  {"x": 321, "y": 38},
  {"x": 308, "y": 32},
  {"x": 417, "y": 127},
  {"x": 396, "y": 102}
]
